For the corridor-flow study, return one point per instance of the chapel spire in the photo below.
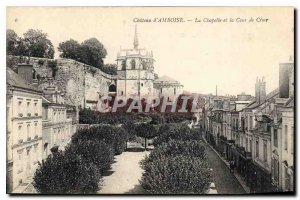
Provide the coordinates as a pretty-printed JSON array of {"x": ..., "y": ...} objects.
[{"x": 135, "y": 41}]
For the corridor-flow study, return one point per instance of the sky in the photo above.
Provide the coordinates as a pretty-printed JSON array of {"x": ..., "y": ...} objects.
[{"x": 200, "y": 55}]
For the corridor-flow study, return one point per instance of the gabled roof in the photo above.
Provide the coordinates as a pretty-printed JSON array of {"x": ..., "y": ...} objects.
[{"x": 15, "y": 80}]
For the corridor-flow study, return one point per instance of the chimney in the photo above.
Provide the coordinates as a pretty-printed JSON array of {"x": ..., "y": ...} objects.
[
  {"x": 257, "y": 89},
  {"x": 49, "y": 90},
  {"x": 286, "y": 80},
  {"x": 262, "y": 90},
  {"x": 25, "y": 71}
]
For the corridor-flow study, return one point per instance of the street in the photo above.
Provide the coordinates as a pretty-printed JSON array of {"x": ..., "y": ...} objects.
[{"x": 225, "y": 181}]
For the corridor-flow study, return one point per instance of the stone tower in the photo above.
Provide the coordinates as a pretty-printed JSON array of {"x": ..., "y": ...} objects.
[{"x": 135, "y": 71}]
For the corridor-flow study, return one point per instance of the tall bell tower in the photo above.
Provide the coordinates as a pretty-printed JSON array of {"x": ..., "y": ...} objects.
[{"x": 135, "y": 71}]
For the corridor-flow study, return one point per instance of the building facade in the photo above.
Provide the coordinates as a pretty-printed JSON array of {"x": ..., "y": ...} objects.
[
  {"x": 58, "y": 127},
  {"x": 166, "y": 86},
  {"x": 256, "y": 133},
  {"x": 24, "y": 126}
]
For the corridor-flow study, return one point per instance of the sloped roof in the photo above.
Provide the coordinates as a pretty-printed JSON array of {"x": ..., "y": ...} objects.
[
  {"x": 14, "y": 79},
  {"x": 45, "y": 100},
  {"x": 290, "y": 102},
  {"x": 165, "y": 79},
  {"x": 270, "y": 95}
]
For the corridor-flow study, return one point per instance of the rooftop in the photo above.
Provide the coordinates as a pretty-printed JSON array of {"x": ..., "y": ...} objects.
[{"x": 15, "y": 80}]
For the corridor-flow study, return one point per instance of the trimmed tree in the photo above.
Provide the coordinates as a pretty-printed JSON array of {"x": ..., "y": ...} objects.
[
  {"x": 68, "y": 173},
  {"x": 147, "y": 131}
]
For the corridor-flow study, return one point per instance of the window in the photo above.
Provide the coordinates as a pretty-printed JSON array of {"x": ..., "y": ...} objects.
[
  {"x": 144, "y": 64},
  {"x": 161, "y": 90},
  {"x": 275, "y": 170},
  {"x": 28, "y": 130},
  {"x": 250, "y": 145},
  {"x": 132, "y": 64},
  {"x": 19, "y": 107},
  {"x": 275, "y": 138},
  {"x": 19, "y": 132},
  {"x": 20, "y": 161},
  {"x": 251, "y": 122},
  {"x": 292, "y": 139},
  {"x": 285, "y": 137},
  {"x": 45, "y": 147},
  {"x": 142, "y": 84},
  {"x": 257, "y": 147},
  {"x": 54, "y": 117},
  {"x": 59, "y": 136},
  {"x": 54, "y": 136},
  {"x": 123, "y": 64},
  {"x": 174, "y": 90},
  {"x": 28, "y": 107},
  {"x": 35, "y": 129},
  {"x": 287, "y": 179},
  {"x": 265, "y": 151}
]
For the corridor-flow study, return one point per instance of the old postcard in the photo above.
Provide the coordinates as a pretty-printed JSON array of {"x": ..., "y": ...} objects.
[{"x": 150, "y": 100}]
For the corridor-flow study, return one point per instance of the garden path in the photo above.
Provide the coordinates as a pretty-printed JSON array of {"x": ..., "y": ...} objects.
[{"x": 124, "y": 176}]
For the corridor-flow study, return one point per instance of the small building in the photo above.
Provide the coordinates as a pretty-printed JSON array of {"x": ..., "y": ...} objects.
[{"x": 169, "y": 87}]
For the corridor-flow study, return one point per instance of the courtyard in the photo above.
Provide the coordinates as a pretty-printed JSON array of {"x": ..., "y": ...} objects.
[{"x": 124, "y": 176}]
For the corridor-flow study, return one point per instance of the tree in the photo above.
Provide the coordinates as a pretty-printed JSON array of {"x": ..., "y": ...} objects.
[
  {"x": 12, "y": 41},
  {"x": 177, "y": 167},
  {"x": 178, "y": 174},
  {"x": 69, "y": 49},
  {"x": 110, "y": 69},
  {"x": 37, "y": 44},
  {"x": 68, "y": 173},
  {"x": 93, "y": 151},
  {"x": 147, "y": 131},
  {"x": 92, "y": 52}
]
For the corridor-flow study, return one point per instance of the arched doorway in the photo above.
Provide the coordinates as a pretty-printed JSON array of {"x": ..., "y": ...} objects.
[{"x": 112, "y": 88}]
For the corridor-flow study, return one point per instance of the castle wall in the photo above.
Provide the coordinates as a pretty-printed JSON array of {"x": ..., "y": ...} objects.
[{"x": 79, "y": 82}]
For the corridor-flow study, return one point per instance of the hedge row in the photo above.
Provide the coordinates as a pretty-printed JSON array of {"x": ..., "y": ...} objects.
[
  {"x": 87, "y": 116},
  {"x": 177, "y": 131},
  {"x": 177, "y": 165},
  {"x": 78, "y": 169}
]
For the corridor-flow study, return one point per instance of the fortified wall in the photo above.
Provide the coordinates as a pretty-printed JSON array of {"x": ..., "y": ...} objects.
[{"x": 82, "y": 84}]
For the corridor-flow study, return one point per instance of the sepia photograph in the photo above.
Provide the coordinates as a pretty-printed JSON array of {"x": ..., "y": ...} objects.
[{"x": 150, "y": 100}]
